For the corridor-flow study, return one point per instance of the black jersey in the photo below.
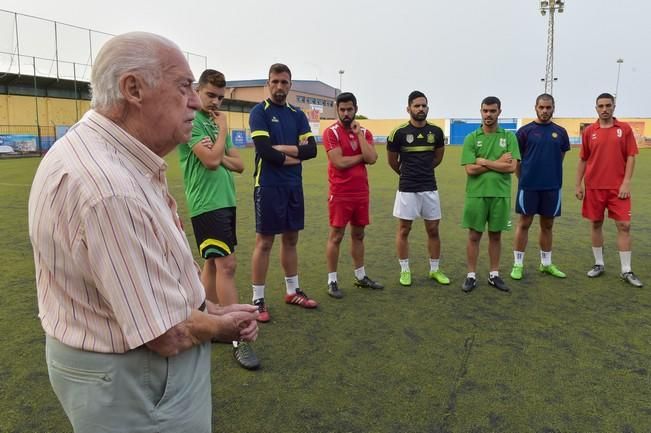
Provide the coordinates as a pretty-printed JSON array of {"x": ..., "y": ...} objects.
[{"x": 415, "y": 147}]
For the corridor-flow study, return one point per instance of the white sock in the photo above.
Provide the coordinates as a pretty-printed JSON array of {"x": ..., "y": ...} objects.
[
  {"x": 332, "y": 277},
  {"x": 494, "y": 274},
  {"x": 291, "y": 283},
  {"x": 258, "y": 291},
  {"x": 434, "y": 265},
  {"x": 625, "y": 259},
  {"x": 360, "y": 273},
  {"x": 234, "y": 343},
  {"x": 518, "y": 257},
  {"x": 545, "y": 258},
  {"x": 472, "y": 275},
  {"x": 404, "y": 265},
  {"x": 598, "y": 253}
]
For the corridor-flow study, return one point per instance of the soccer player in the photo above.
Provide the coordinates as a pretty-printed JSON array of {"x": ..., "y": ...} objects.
[
  {"x": 208, "y": 161},
  {"x": 283, "y": 139},
  {"x": 490, "y": 154},
  {"x": 542, "y": 146},
  {"x": 414, "y": 150},
  {"x": 350, "y": 148},
  {"x": 605, "y": 168}
]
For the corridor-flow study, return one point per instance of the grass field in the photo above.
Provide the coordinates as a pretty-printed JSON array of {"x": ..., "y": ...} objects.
[{"x": 568, "y": 355}]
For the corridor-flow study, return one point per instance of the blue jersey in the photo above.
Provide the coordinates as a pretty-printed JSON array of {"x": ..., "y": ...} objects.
[
  {"x": 283, "y": 124},
  {"x": 542, "y": 146}
]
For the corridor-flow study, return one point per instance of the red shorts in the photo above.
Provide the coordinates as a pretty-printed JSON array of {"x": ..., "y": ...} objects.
[
  {"x": 596, "y": 201},
  {"x": 344, "y": 210}
]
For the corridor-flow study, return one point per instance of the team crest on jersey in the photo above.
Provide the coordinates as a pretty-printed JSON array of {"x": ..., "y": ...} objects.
[
  {"x": 410, "y": 138},
  {"x": 275, "y": 119},
  {"x": 619, "y": 133},
  {"x": 478, "y": 143},
  {"x": 594, "y": 136},
  {"x": 554, "y": 135},
  {"x": 430, "y": 138},
  {"x": 502, "y": 142}
]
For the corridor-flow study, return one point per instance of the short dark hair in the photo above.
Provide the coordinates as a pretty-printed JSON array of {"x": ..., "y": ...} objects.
[
  {"x": 490, "y": 100},
  {"x": 279, "y": 68},
  {"x": 605, "y": 96},
  {"x": 346, "y": 97},
  {"x": 545, "y": 96},
  {"x": 415, "y": 94},
  {"x": 210, "y": 76}
]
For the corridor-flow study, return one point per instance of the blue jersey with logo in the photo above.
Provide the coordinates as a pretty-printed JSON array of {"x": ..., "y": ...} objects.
[
  {"x": 542, "y": 146},
  {"x": 283, "y": 124}
]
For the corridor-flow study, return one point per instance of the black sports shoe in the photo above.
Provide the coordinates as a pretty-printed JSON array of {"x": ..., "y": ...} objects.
[
  {"x": 498, "y": 283},
  {"x": 469, "y": 285},
  {"x": 367, "y": 283},
  {"x": 333, "y": 290},
  {"x": 245, "y": 356}
]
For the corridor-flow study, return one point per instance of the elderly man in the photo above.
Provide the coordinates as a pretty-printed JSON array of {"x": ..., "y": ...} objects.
[{"x": 127, "y": 327}]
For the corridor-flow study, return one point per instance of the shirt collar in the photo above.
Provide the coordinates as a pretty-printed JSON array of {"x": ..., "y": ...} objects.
[
  {"x": 127, "y": 145},
  {"x": 615, "y": 123},
  {"x": 480, "y": 130}
]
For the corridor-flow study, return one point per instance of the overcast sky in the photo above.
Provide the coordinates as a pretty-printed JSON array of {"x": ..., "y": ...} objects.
[{"x": 456, "y": 51}]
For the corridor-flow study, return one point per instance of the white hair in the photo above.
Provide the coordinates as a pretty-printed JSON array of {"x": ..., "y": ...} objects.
[{"x": 130, "y": 52}]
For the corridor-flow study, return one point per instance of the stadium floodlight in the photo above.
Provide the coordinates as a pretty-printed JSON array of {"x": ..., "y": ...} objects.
[
  {"x": 341, "y": 74},
  {"x": 619, "y": 70},
  {"x": 551, "y": 7}
]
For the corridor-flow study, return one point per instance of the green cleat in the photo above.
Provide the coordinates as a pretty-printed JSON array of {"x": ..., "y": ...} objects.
[
  {"x": 405, "y": 278},
  {"x": 439, "y": 277},
  {"x": 552, "y": 270},
  {"x": 517, "y": 271}
]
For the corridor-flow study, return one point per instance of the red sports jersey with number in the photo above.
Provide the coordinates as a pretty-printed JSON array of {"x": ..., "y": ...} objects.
[
  {"x": 605, "y": 151},
  {"x": 352, "y": 181}
]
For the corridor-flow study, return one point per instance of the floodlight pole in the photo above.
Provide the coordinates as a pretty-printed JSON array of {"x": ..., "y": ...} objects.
[
  {"x": 341, "y": 74},
  {"x": 550, "y": 7},
  {"x": 619, "y": 70}
]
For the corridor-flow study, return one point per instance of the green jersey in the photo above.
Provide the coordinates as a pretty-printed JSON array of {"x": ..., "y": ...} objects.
[
  {"x": 491, "y": 146},
  {"x": 206, "y": 190}
]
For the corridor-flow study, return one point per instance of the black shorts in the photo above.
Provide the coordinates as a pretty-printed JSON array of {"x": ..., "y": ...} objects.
[
  {"x": 215, "y": 232},
  {"x": 546, "y": 203},
  {"x": 278, "y": 209}
]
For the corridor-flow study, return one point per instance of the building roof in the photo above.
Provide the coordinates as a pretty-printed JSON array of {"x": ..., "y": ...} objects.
[{"x": 305, "y": 86}]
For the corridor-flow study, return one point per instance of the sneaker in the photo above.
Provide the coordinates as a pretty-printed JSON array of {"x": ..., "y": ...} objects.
[
  {"x": 301, "y": 299},
  {"x": 439, "y": 277},
  {"x": 596, "y": 271},
  {"x": 245, "y": 356},
  {"x": 264, "y": 316},
  {"x": 367, "y": 283},
  {"x": 405, "y": 278},
  {"x": 498, "y": 283},
  {"x": 469, "y": 285},
  {"x": 333, "y": 290},
  {"x": 552, "y": 270},
  {"x": 631, "y": 279},
  {"x": 517, "y": 271}
]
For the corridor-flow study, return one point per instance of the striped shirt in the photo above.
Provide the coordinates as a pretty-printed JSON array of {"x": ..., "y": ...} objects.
[{"x": 114, "y": 269}]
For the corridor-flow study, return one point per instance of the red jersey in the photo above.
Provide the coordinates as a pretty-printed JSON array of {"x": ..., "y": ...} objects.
[
  {"x": 606, "y": 150},
  {"x": 352, "y": 181}
]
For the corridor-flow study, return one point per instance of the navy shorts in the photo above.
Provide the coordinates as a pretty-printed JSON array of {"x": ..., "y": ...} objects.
[
  {"x": 546, "y": 203},
  {"x": 278, "y": 209},
  {"x": 215, "y": 232}
]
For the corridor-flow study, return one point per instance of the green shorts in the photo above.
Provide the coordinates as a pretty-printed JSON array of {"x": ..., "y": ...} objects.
[{"x": 496, "y": 211}]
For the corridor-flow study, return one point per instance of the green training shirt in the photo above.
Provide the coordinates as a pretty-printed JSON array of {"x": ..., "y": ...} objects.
[
  {"x": 206, "y": 190},
  {"x": 491, "y": 146}
]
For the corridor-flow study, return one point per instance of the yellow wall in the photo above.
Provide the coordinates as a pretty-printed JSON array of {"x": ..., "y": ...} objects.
[
  {"x": 382, "y": 127},
  {"x": 21, "y": 110},
  {"x": 573, "y": 124}
]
